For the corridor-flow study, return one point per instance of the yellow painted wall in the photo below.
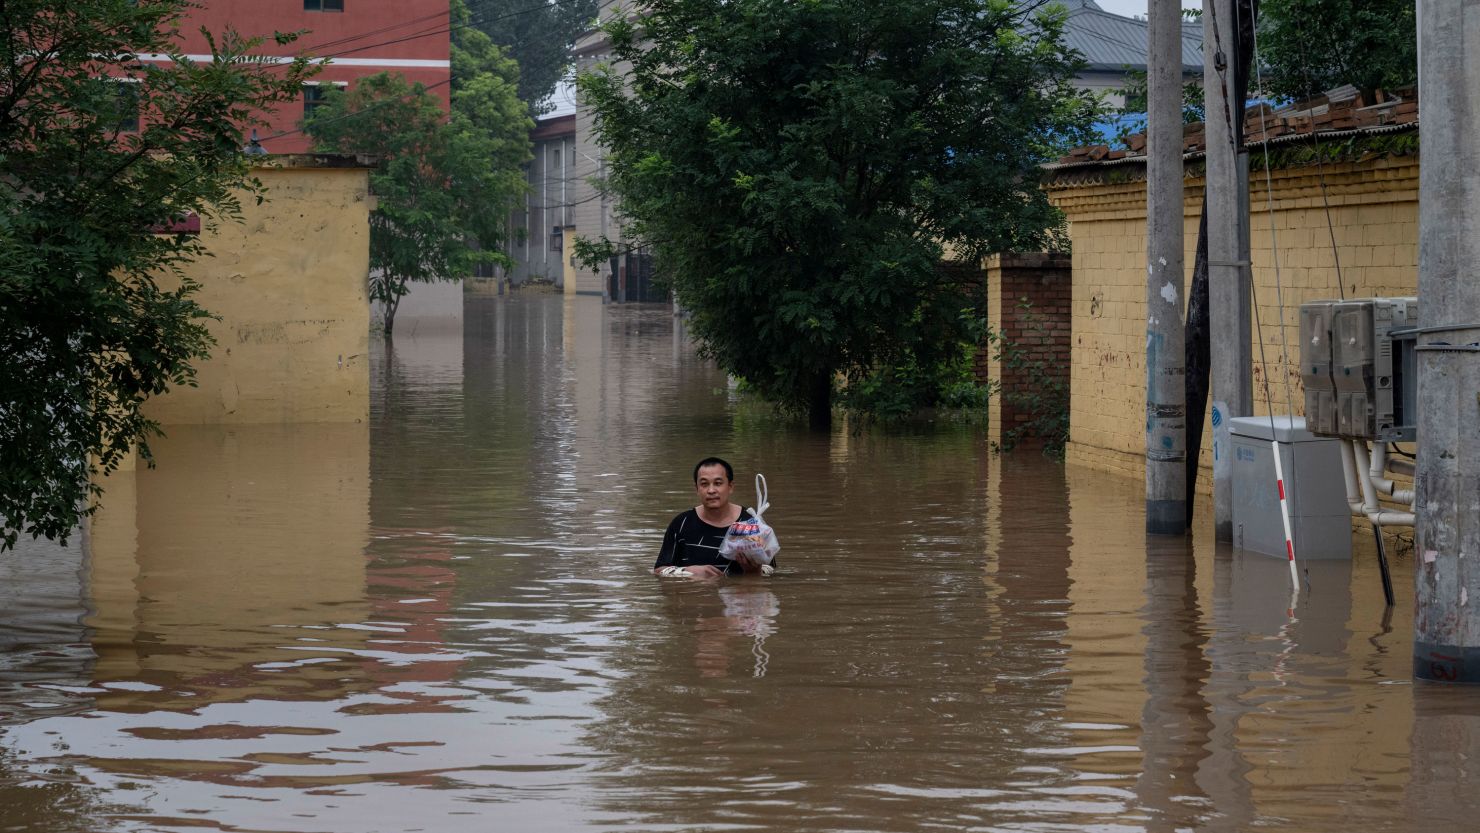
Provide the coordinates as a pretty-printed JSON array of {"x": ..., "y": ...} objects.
[
  {"x": 580, "y": 279},
  {"x": 570, "y": 272},
  {"x": 288, "y": 284},
  {"x": 1374, "y": 215}
]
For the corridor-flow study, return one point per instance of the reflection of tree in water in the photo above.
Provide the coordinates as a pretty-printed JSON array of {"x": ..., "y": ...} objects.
[{"x": 56, "y": 802}]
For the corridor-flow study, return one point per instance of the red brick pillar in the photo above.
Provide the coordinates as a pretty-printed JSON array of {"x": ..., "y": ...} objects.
[{"x": 1029, "y": 304}]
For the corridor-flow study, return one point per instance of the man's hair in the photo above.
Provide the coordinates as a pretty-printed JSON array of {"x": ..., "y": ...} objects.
[{"x": 714, "y": 461}]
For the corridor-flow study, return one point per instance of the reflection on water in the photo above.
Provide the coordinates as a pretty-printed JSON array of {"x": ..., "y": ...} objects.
[{"x": 444, "y": 619}]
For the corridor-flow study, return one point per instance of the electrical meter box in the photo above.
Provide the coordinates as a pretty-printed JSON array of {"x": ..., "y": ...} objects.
[
  {"x": 1395, "y": 368},
  {"x": 1352, "y": 367},
  {"x": 1315, "y": 368},
  {"x": 1358, "y": 366},
  {"x": 1320, "y": 519}
]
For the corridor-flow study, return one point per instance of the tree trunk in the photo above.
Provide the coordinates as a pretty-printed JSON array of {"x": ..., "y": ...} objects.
[
  {"x": 819, "y": 404},
  {"x": 390, "y": 317},
  {"x": 1199, "y": 356}
]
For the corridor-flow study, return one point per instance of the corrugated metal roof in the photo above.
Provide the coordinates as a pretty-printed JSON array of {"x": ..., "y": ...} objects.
[{"x": 1111, "y": 42}]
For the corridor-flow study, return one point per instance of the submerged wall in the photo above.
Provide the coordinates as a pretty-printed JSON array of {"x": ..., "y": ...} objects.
[
  {"x": 1373, "y": 216},
  {"x": 288, "y": 285}
]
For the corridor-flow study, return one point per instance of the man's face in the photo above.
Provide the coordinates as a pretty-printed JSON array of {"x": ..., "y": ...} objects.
[{"x": 713, "y": 487}]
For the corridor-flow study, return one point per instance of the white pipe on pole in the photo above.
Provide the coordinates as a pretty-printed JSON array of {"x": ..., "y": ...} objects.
[
  {"x": 1374, "y": 511},
  {"x": 1349, "y": 474}
]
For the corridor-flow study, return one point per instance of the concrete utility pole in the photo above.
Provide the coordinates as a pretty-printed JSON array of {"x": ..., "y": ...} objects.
[
  {"x": 1446, "y": 618},
  {"x": 1166, "y": 396},
  {"x": 1228, "y": 249}
]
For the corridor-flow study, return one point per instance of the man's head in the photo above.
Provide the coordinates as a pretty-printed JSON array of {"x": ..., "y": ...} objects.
[
  {"x": 707, "y": 462},
  {"x": 713, "y": 482}
]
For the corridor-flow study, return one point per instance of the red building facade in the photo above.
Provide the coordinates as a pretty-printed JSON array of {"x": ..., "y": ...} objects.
[{"x": 358, "y": 37}]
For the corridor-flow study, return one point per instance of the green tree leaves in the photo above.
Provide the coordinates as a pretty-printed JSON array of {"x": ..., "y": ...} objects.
[
  {"x": 98, "y": 147},
  {"x": 1310, "y": 46},
  {"x": 537, "y": 35},
  {"x": 445, "y": 181},
  {"x": 800, "y": 168}
]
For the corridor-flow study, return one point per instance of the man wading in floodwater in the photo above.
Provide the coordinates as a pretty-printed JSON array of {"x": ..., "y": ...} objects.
[{"x": 691, "y": 545}]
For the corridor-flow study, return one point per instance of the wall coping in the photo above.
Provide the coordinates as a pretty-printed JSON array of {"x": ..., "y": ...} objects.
[
  {"x": 1029, "y": 260},
  {"x": 317, "y": 161}
]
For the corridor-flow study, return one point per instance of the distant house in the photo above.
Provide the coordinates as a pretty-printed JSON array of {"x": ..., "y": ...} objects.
[
  {"x": 1115, "y": 46},
  {"x": 566, "y": 204},
  {"x": 537, "y": 229}
]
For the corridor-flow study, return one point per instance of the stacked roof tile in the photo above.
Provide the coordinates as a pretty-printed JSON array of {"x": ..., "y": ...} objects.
[{"x": 1339, "y": 110}]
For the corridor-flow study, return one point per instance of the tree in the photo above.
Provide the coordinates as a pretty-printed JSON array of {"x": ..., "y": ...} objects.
[
  {"x": 1130, "y": 117},
  {"x": 799, "y": 168},
  {"x": 537, "y": 36},
  {"x": 96, "y": 149},
  {"x": 1310, "y": 46},
  {"x": 446, "y": 181}
]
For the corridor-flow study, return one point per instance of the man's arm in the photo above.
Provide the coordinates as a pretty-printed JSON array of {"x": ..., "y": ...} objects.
[{"x": 668, "y": 555}]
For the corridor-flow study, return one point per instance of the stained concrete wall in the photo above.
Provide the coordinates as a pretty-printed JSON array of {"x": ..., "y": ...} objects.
[
  {"x": 1374, "y": 216},
  {"x": 288, "y": 284}
]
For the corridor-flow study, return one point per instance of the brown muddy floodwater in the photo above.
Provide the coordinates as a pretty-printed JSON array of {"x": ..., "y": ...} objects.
[{"x": 444, "y": 621}]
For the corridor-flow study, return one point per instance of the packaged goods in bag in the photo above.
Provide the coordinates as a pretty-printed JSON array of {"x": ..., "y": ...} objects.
[{"x": 753, "y": 537}]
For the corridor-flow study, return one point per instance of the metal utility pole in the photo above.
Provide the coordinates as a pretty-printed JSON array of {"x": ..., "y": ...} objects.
[
  {"x": 1166, "y": 396},
  {"x": 1446, "y": 617},
  {"x": 1228, "y": 248}
]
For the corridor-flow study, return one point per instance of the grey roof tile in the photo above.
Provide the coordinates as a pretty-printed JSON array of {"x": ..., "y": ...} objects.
[{"x": 1111, "y": 42}]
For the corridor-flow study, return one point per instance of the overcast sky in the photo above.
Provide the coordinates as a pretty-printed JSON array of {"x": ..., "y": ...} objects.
[{"x": 1133, "y": 8}]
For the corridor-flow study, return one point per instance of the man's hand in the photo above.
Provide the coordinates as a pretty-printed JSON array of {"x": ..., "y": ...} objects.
[
  {"x": 696, "y": 571},
  {"x": 748, "y": 564}
]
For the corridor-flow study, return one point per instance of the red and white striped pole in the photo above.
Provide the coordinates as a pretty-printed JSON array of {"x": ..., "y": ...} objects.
[{"x": 1279, "y": 478}]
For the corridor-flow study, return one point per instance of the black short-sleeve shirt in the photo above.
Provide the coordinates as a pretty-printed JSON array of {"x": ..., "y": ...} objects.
[{"x": 690, "y": 541}]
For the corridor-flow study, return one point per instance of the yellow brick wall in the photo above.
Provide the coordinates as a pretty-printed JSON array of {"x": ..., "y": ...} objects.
[
  {"x": 1374, "y": 218},
  {"x": 288, "y": 284}
]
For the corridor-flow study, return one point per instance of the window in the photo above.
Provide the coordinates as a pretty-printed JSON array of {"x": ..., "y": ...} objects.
[
  {"x": 555, "y": 159},
  {"x": 316, "y": 96},
  {"x": 556, "y": 239},
  {"x": 323, "y": 5},
  {"x": 125, "y": 105}
]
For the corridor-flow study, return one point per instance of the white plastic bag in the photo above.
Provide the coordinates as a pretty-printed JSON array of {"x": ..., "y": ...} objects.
[{"x": 753, "y": 537}]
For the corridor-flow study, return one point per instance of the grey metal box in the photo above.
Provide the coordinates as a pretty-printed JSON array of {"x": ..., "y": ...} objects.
[
  {"x": 1319, "y": 517},
  {"x": 1394, "y": 369},
  {"x": 1353, "y": 367},
  {"x": 1315, "y": 367}
]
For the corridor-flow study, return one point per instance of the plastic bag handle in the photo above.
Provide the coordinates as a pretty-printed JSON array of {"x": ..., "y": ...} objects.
[{"x": 761, "y": 503}]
